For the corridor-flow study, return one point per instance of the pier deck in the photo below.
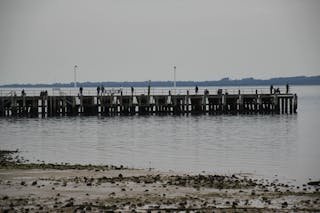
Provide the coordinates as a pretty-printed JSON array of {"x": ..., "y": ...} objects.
[{"x": 131, "y": 104}]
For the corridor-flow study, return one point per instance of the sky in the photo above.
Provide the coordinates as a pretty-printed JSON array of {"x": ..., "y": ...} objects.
[{"x": 140, "y": 40}]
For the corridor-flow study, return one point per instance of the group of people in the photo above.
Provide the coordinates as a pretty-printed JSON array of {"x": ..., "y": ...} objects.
[
  {"x": 277, "y": 90},
  {"x": 43, "y": 93},
  {"x": 196, "y": 90},
  {"x": 100, "y": 89}
]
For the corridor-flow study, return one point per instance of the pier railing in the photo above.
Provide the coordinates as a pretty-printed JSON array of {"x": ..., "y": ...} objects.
[{"x": 91, "y": 91}]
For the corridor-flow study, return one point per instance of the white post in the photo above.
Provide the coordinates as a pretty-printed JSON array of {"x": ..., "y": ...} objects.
[
  {"x": 174, "y": 79},
  {"x": 75, "y": 76}
]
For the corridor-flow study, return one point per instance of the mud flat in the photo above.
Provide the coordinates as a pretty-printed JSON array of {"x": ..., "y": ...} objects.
[{"x": 87, "y": 188}]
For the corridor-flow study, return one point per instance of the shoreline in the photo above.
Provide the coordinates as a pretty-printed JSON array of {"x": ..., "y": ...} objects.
[{"x": 52, "y": 187}]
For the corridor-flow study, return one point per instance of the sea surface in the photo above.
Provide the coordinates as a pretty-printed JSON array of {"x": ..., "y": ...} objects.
[{"x": 286, "y": 146}]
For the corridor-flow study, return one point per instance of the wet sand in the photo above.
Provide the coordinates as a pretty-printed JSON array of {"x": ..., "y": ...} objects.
[{"x": 86, "y": 188}]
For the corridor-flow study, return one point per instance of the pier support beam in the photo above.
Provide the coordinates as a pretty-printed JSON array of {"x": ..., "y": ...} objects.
[
  {"x": 159, "y": 104},
  {"x": 295, "y": 103},
  {"x": 286, "y": 105}
]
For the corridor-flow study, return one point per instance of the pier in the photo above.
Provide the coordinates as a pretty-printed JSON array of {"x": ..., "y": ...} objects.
[{"x": 146, "y": 102}]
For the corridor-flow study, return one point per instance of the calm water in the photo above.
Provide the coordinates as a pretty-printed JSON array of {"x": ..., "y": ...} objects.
[{"x": 266, "y": 145}]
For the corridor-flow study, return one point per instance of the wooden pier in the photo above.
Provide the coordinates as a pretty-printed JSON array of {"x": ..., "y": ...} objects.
[{"x": 144, "y": 104}]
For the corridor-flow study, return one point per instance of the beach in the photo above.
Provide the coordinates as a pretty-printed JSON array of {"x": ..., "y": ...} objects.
[{"x": 88, "y": 188}]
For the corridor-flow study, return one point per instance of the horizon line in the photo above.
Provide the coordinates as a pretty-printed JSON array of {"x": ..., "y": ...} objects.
[{"x": 142, "y": 81}]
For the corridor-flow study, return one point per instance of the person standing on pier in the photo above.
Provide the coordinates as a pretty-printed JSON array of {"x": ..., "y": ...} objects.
[
  {"x": 132, "y": 90},
  {"x": 196, "y": 90},
  {"x": 102, "y": 90},
  {"x": 287, "y": 88},
  {"x": 98, "y": 90},
  {"x": 206, "y": 92},
  {"x": 23, "y": 93},
  {"x": 80, "y": 90},
  {"x": 149, "y": 90},
  {"x": 271, "y": 89}
]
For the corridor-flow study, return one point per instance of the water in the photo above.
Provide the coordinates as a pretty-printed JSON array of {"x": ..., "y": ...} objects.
[{"x": 266, "y": 145}]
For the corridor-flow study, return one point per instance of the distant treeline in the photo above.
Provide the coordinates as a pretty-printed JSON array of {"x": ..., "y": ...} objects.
[{"x": 298, "y": 80}]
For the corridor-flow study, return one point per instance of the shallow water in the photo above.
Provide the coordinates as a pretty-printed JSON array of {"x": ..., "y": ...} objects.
[{"x": 266, "y": 145}]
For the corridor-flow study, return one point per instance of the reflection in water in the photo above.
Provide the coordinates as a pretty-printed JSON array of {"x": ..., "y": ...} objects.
[{"x": 261, "y": 144}]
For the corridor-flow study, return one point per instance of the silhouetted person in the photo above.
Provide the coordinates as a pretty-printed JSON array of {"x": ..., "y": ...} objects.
[
  {"x": 81, "y": 90},
  {"x": 271, "y": 89},
  {"x": 206, "y": 92},
  {"x": 196, "y": 89},
  {"x": 102, "y": 89},
  {"x": 98, "y": 90},
  {"x": 287, "y": 88},
  {"x": 23, "y": 93},
  {"x": 132, "y": 90}
]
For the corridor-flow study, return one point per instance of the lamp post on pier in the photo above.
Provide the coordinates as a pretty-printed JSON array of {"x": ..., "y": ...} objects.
[
  {"x": 75, "y": 76},
  {"x": 174, "y": 79}
]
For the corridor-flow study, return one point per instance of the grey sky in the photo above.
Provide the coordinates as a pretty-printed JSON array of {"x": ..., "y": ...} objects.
[{"x": 41, "y": 40}]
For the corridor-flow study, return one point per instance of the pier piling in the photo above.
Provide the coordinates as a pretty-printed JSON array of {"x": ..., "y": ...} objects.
[{"x": 146, "y": 104}]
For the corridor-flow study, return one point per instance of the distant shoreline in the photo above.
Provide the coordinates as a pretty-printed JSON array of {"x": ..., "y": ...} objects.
[{"x": 297, "y": 80}]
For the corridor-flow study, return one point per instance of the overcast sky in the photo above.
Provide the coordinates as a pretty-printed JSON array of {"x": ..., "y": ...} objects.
[{"x": 138, "y": 40}]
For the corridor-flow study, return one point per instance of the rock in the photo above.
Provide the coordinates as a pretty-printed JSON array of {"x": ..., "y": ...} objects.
[
  {"x": 234, "y": 204},
  {"x": 246, "y": 202},
  {"x": 284, "y": 205},
  {"x": 69, "y": 204},
  {"x": 314, "y": 183}
]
